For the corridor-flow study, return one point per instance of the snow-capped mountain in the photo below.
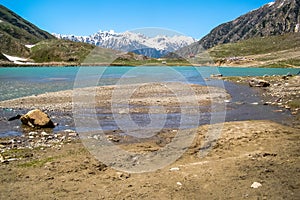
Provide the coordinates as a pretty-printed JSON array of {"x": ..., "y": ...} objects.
[{"x": 133, "y": 42}]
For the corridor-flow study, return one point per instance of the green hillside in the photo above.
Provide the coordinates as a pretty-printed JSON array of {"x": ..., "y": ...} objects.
[
  {"x": 273, "y": 51},
  {"x": 60, "y": 51},
  {"x": 15, "y": 33},
  {"x": 19, "y": 28}
]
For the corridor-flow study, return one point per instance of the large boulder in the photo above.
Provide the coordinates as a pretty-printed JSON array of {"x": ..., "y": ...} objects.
[
  {"x": 258, "y": 83},
  {"x": 37, "y": 119}
]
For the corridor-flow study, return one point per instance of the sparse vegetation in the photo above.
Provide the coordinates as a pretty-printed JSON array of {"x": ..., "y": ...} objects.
[
  {"x": 36, "y": 162},
  {"x": 60, "y": 51},
  {"x": 150, "y": 62},
  {"x": 294, "y": 104},
  {"x": 261, "y": 45},
  {"x": 273, "y": 51}
]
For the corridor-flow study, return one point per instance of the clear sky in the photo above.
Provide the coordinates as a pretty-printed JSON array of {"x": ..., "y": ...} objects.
[{"x": 84, "y": 17}]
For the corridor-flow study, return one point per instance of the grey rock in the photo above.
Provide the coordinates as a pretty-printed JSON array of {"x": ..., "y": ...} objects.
[
  {"x": 258, "y": 83},
  {"x": 37, "y": 119}
]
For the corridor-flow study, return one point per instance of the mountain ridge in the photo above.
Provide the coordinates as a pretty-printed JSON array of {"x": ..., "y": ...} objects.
[
  {"x": 274, "y": 18},
  {"x": 16, "y": 33},
  {"x": 155, "y": 47}
]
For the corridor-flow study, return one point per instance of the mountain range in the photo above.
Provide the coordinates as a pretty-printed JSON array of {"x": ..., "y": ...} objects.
[
  {"x": 269, "y": 33},
  {"x": 138, "y": 43}
]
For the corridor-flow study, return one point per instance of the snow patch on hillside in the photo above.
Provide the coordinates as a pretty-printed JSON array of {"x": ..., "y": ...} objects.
[{"x": 17, "y": 60}]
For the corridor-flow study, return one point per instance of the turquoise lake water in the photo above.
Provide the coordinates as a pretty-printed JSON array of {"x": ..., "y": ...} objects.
[{"x": 24, "y": 81}]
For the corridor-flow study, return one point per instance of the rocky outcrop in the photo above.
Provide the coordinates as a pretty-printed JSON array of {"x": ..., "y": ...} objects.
[
  {"x": 37, "y": 119},
  {"x": 275, "y": 18}
]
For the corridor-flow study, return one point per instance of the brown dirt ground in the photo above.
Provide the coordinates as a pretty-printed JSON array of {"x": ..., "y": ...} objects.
[{"x": 246, "y": 152}]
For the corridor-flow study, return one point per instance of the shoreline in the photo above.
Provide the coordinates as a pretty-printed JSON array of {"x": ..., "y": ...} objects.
[{"x": 65, "y": 64}]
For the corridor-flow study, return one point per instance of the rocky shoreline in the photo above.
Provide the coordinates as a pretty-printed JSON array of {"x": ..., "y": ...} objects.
[{"x": 281, "y": 91}]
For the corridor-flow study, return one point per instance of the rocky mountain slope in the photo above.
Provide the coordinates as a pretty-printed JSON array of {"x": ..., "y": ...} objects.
[
  {"x": 275, "y": 18},
  {"x": 15, "y": 33},
  {"x": 133, "y": 42},
  {"x": 20, "y": 38},
  {"x": 273, "y": 51}
]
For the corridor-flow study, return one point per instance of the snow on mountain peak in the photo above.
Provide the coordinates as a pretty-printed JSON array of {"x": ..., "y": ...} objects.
[{"x": 131, "y": 41}]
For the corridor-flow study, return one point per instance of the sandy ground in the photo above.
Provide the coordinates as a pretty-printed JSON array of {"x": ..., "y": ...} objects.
[{"x": 245, "y": 152}]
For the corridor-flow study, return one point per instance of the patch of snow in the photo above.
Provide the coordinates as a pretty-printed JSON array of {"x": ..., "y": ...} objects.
[
  {"x": 29, "y": 46},
  {"x": 14, "y": 58},
  {"x": 268, "y": 4},
  {"x": 23, "y": 63},
  {"x": 1, "y": 21},
  {"x": 17, "y": 60}
]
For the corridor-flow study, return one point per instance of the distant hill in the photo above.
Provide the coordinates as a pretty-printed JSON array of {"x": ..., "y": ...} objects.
[
  {"x": 16, "y": 32},
  {"x": 275, "y": 18}
]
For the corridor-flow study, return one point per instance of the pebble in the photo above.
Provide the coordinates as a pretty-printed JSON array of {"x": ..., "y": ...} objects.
[
  {"x": 32, "y": 133},
  {"x": 256, "y": 185},
  {"x": 123, "y": 176},
  {"x": 174, "y": 169},
  {"x": 38, "y": 139},
  {"x": 45, "y": 134},
  {"x": 12, "y": 159},
  {"x": 68, "y": 131},
  {"x": 179, "y": 184},
  {"x": 72, "y": 134},
  {"x": 2, "y": 159}
]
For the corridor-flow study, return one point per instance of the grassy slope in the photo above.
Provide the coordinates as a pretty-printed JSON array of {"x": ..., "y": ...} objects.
[
  {"x": 15, "y": 33},
  {"x": 20, "y": 28},
  {"x": 12, "y": 46},
  {"x": 274, "y": 51},
  {"x": 60, "y": 51}
]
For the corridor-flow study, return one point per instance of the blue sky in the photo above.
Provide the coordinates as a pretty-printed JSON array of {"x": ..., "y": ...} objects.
[{"x": 84, "y": 17}]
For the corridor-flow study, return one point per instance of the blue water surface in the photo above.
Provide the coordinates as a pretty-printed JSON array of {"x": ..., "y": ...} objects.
[{"x": 18, "y": 82}]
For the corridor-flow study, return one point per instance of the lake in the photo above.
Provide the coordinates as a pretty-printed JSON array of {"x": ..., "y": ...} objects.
[{"x": 25, "y": 81}]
